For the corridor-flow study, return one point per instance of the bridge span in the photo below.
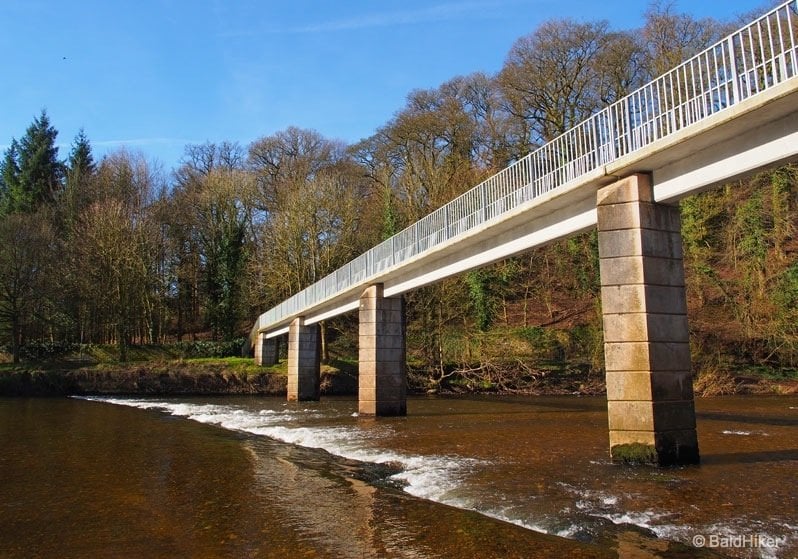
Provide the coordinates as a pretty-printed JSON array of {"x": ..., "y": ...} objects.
[{"x": 727, "y": 112}]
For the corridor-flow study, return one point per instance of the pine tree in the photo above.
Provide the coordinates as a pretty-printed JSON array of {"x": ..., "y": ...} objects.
[
  {"x": 32, "y": 173},
  {"x": 80, "y": 168},
  {"x": 81, "y": 161},
  {"x": 9, "y": 178}
]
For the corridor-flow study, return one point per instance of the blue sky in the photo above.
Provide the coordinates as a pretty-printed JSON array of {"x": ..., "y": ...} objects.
[{"x": 155, "y": 75}]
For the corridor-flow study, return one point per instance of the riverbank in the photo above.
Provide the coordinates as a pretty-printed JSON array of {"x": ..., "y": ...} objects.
[
  {"x": 178, "y": 377},
  {"x": 240, "y": 376}
]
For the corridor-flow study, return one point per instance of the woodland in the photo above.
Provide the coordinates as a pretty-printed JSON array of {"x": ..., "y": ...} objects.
[{"x": 121, "y": 251}]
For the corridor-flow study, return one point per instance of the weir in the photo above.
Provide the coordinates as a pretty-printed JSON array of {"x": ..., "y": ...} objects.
[{"x": 725, "y": 113}]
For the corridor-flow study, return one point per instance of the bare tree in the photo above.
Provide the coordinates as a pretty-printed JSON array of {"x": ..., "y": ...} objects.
[
  {"x": 549, "y": 77},
  {"x": 672, "y": 38},
  {"x": 114, "y": 257},
  {"x": 27, "y": 249}
]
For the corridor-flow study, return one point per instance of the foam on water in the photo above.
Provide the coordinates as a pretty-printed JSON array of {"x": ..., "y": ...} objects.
[
  {"x": 507, "y": 515},
  {"x": 743, "y": 433},
  {"x": 603, "y": 505},
  {"x": 436, "y": 478},
  {"x": 428, "y": 477}
]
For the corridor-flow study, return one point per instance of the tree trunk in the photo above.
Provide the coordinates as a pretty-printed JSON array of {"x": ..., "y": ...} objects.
[
  {"x": 325, "y": 350},
  {"x": 15, "y": 336}
]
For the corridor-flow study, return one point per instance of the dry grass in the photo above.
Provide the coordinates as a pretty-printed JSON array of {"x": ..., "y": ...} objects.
[{"x": 714, "y": 382}]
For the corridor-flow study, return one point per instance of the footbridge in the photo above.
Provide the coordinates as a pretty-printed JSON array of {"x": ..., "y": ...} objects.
[{"x": 725, "y": 113}]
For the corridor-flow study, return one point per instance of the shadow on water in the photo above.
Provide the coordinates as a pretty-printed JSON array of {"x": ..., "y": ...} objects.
[
  {"x": 749, "y": 457},
  {"x": 738, "y": 418},
  {"x": 504, "y": 405}
]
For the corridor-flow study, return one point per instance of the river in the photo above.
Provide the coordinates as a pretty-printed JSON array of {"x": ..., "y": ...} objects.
[{"x": 458, "y": 477}]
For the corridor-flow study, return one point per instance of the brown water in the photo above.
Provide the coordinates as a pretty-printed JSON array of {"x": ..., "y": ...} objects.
[{"x": 258, "y": 477}]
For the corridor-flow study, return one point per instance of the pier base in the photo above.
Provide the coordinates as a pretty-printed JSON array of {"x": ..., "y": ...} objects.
[
  {"x": 304, "y": 361},
  {"x": 266, "y": 351},
  {"x": 382, "y": 369},
  {"x": 646, "y": 337}
]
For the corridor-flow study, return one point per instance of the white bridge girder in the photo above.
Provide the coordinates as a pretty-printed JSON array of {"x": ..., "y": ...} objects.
[{"x": 760, "y": 132}]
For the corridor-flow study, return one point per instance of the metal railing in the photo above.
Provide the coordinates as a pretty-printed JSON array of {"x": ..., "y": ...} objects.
[{"x": 749, "y": 61}]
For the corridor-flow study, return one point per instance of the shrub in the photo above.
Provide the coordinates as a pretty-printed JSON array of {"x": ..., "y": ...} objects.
[
  {"x": 41, "y": 350},
  {"x": 206, "y": 348}
]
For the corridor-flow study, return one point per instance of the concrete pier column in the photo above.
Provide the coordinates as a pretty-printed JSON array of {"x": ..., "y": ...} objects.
[
  {"x": 266, "y": 350},
  {"x": 382, "y": 372},
  {"x": 304, "y": 362},
  {"x": 646, "y": 342}
]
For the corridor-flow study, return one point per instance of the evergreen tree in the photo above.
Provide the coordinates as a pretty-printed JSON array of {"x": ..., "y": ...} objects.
[
  {"x": 80, "y": 168},
  {"x": 76, "y": 198},
  {"x": 81, "y": 161},
  {"x": 9, "y": 178},
  {"x": 32, "y": 173}
]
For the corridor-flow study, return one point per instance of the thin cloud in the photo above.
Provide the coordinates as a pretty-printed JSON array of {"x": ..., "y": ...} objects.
[
  {"x": 142, "y": 142},
  {"x": 131, "y": 142},
  {"x": 440, "y": 12}
]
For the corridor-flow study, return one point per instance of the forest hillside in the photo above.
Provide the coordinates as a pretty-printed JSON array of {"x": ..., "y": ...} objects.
[{"x": 120, "y": 251}]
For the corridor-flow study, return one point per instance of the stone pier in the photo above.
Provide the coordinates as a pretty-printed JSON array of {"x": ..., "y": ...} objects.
[
  {"x": 646, "y": 343},
  {"x": 304, "y": 362},
  {"x": 266, "y": 350},
  {"x": 382, "y": 376}
]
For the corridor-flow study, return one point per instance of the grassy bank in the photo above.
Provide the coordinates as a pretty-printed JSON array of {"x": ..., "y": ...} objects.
[
  {"x": 183, "y": 377},
  {"x": 152, "y": 370}
]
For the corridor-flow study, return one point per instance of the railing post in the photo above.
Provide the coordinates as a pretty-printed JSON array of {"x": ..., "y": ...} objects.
[
  {"x": 627, "y": 121},
  {"x": 530, "y": 178},
  {"x": 791, "y": 8},
  {"x": 446, "y": 222},
  {"x": 369, "y": 261},
  {"x": 483, "y": 202},
  {"x": 733, "y": 68}
]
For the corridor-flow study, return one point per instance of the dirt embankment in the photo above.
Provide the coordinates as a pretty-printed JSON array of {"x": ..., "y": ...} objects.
[
  {"x": 184, "y": 379},
  {"x": 143, "y": 379}
]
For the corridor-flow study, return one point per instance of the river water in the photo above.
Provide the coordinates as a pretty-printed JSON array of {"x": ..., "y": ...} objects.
[{"x": 457, "y": 477}]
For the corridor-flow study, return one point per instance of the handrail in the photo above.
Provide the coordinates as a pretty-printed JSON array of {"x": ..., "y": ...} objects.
[{"x": 749, "y": 61}]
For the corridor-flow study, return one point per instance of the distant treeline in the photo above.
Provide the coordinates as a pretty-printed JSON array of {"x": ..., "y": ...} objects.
[{"x": 118, "y": 251}]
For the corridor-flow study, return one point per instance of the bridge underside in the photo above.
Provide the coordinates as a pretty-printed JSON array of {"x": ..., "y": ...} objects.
[
  {"x": 759, "y": 133},
  {"x": 646, "y": 342}
]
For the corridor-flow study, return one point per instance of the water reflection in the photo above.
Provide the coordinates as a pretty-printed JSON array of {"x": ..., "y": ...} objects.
[
  {"x": 89, "y": 478},
  {"x": 86, "y": 479}
]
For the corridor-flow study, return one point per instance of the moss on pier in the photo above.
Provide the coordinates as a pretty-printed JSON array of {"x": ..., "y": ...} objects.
[{"x": 635, "y": 453}]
